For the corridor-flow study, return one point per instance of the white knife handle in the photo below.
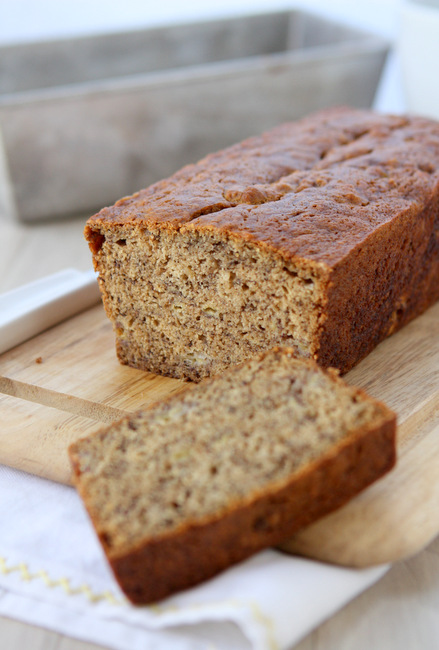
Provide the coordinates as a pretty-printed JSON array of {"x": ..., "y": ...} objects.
[{"x": 34, "y": 307}]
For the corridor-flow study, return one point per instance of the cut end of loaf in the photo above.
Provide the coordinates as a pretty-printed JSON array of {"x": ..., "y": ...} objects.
[
  {"x": 194, "y": 484},
  {"x": 188, "y": 304}
]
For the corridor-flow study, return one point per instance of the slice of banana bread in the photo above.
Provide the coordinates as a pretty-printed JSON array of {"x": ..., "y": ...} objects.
[
  {"x": 321, "y": 235},
  {"x": 194, "y": 484}
]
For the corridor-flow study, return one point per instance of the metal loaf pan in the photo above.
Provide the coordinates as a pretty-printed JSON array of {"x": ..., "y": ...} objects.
[{"x": 88, "y": 120}]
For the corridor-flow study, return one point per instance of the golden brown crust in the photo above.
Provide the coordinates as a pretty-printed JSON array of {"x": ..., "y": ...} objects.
[
  {"x": 312, "y": 189},
  {"x": 381, "y": 287},
  {"x": 351, "y": 193},
  {"x": 175, "y": 562}
]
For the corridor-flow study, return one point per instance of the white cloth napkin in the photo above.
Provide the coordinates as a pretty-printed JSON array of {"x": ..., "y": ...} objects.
[{"x": 53, "y": 574}]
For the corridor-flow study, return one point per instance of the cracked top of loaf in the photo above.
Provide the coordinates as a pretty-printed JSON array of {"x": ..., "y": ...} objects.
[{"x": 313, "y": 189}]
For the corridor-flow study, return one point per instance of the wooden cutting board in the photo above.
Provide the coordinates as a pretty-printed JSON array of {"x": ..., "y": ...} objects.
[{"x": 66, "y": 383}]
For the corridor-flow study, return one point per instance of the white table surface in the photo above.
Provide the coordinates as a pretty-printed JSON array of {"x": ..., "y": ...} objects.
[{"x": 400, "y": 611}]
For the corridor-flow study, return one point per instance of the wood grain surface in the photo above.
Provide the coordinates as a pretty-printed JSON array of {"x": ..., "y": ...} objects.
[{"x": 66, "y": 383}]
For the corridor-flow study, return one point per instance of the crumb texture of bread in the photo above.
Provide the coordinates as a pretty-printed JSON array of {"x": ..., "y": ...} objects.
[
  {"x": 194, "y": 484},
  {"x": 321, "y": 235}
]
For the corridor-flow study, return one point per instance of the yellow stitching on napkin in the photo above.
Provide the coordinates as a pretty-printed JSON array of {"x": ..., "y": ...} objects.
[
  {"x": 64, "y": 583},
  {"x": 159, "y": 610}
]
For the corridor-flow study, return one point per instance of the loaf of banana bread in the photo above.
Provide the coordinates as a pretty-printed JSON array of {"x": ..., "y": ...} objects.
[
  {"x": 206, "y": 478},
  {"x": 322, "y": 235}
]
